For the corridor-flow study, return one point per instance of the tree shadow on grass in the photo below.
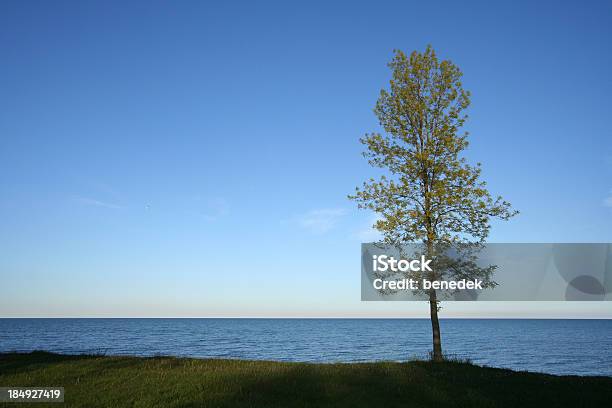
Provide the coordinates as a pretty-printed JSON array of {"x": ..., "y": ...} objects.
[{"x": 333, "y": 385}]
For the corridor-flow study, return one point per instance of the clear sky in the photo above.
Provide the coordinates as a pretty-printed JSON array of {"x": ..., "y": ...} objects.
[{"x": 193, "y": 158}]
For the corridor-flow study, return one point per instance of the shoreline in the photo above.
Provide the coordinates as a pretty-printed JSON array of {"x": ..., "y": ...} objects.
[{"x": 449, "y": 359}]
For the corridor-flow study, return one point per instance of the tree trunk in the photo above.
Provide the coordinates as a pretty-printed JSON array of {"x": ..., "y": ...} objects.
[
  {"x": 433, "y": 308},
  {"x": 435, "y": 327}
]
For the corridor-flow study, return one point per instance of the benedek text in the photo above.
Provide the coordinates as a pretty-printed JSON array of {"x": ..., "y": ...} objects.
[{"x": 413, "y": 284}]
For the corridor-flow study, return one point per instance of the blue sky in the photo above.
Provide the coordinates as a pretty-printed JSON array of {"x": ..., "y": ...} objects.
[{"x": 193, "y": 159}]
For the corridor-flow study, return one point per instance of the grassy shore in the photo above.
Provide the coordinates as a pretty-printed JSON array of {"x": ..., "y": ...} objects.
[{"x": 98, "y": 381}]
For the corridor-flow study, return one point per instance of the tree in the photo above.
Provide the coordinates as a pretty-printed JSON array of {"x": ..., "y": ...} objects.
[{"x": 430, "y": 195}]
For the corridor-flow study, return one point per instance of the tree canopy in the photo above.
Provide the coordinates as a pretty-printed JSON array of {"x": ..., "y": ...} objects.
[{"x": 431, "y": 193}]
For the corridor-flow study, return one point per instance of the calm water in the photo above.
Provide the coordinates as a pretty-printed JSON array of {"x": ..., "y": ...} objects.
[{"x": 553, "y": 346}]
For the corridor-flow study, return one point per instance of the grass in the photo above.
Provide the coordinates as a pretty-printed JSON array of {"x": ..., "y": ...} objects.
[{"x": 102, "y": 381}]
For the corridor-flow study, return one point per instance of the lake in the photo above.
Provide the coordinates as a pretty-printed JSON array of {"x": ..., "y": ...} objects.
[{"x": 582, "y": 347}]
